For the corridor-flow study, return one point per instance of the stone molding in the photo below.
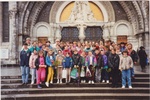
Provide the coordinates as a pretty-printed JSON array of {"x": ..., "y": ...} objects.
[
  {"x": 106, "y": 8},
  {"x": 125, "y": 23},
  {"x": 34, "y": 33}
]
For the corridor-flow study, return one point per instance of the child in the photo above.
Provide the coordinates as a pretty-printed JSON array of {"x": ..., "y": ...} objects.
[
  {"x": 99, "y": 65},
  {"x": 33, "y": 57},
  {"x": 24, "y": 63},
  {"x": 40, "y": 66},
  {"x": 113, "y": 61},
  {"x": 76, "y": 58},
  {"x": 67, "y": 64},
  {"x": 105, "y": 75},
  {"x": 59, "y": 59},
  {"x": 91, "y": 63},
  {"x": 82, "y": 75},
  {"x": 49, "y": 61},
  {"x": 126, "y": 63}
]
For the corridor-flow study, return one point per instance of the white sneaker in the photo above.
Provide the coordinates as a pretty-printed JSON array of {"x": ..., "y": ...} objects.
[
  {"x": 57, "y": 81},
  {"x": 103, "y": 81},
  {"x": 130, "y": 87},
  {"x": 47, "y": 84},
  {"x": 107, "y": 81},
  {"x": 51, "y": 82},
  {"x": 32, "y": 83},
  {"x": 92, "y": 82},
  {"x": 84, "y": 81},
  {"x": 123, "y": 87},
  {"x": 60, "y": 82},
  {"x": 89, "y": 82}
]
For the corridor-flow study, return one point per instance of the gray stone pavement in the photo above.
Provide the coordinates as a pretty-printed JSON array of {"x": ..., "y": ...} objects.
[{"x": 15, "y": 71}]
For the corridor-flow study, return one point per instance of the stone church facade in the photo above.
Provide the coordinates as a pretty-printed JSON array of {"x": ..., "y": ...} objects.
[{"x": 126, "y": 21}]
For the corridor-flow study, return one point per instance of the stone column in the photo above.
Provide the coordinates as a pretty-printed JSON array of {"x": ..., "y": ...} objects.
[
  {"x": 58, "y": 34},
  {"x": 12, "y": 30},
  {"x": 1, "y": 23},
  {"x": 81, "y": 28},
  {"x": 140, "y": 40},
  {"x": 146, "y": 43},
  {"x": 105, "y": 33},
  {"x": 51, "y": 36}
]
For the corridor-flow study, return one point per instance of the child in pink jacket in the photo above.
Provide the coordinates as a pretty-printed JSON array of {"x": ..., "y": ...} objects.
[{"x": 32, "y": 66}]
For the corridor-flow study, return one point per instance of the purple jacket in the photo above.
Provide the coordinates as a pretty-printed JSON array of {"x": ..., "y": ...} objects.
[
  {"x": 87, "y": 61},
  {"x": 105, "y": 60}
]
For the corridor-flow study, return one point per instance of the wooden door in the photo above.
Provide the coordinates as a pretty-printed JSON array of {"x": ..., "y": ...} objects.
[
  {"x": 42, "y": 39},
  {"x": 122, "y": 38}
]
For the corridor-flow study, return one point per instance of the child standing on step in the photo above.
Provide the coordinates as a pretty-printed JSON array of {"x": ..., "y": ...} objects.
[
  {"x": 67, "y": 64},
  {"x": 105, "y": 75},
  {"x": 82, "y": 75},
  {"x": 40, "y": 66},
  {"x": 126, "y": 63},
  {"x": 33, "y": 57},
  {"x": 24, "y": 63},
  {"x": 50, "y": 61},
  {"x": 59, "y": 59}
]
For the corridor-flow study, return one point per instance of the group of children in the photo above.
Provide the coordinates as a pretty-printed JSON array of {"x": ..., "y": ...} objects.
[{"x": 84, "y": 62}]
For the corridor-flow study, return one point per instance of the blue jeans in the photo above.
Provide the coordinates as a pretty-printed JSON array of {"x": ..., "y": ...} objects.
[
  {"x": 132, "y": 71},
  {"x": 98, "y": 75},
  {"x": 105, "y": 75},
  {"x": 126, "y": 74},
  {"x": 25, "y": 74},
  {"x": 33, "y": 73}
]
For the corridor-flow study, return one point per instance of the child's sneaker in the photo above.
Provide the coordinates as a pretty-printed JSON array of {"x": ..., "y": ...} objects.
[
  {"x": 123, "y": 87},
  {"x": 107, "y": 81},
  {"x": 39, "y": 87},
  {"x": 130, "y": 87},
  {"x": 103, "y": 81},
  {"x": 60, "y": 82},
  {"x": 89, "y": 82},
  {"x": 84, "y": 81},
  {"x": 47, "y": 84},
  {"x": 51, "y": 82},
  {"x": 92, "y": 82},
  {"x": 32, "y": 83}
]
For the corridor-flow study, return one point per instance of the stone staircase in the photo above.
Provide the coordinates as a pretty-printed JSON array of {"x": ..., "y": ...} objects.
[{"x": 11, "y": 89}]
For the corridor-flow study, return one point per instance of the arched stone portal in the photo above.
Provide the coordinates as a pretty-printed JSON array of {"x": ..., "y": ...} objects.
[{"x": 80, "y": 14}]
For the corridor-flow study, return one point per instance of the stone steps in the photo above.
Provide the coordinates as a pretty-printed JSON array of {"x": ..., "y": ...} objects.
[
  {"x": 143, "y": 75},
  {"x": 76, "y": 96},
  {"x": 19, "y": 85},
  {"x": 73, "y": 90},
  {"x": 7, "y": 81},
  {"x": 12, "y": 89}
]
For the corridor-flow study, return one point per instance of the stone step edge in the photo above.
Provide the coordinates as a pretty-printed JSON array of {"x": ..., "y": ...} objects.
[
  {"x": 72, "y": 88},
  {"x": 74, "y": 94},
  {"x": 16, "y": 79},
  {"x": 80, "y": 83}
]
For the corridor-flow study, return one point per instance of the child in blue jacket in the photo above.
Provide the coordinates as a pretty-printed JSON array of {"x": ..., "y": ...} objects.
[{"x": 67, "y": 64}]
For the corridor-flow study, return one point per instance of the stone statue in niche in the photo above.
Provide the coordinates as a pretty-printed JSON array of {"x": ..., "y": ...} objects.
[{"x": 81, "y": 12}]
